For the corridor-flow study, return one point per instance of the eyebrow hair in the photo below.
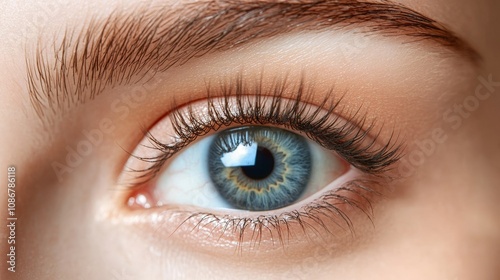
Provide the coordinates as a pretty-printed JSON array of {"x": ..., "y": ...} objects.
[{"x": 127, "y": 46}]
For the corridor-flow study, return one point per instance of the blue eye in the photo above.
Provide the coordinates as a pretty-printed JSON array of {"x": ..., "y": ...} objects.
[
  {"x": 259, "y": 168},
  {"x": 254, "y": 168}
]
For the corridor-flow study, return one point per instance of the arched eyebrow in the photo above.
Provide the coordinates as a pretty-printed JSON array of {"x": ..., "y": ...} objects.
[{"x": 130, "y": 45}]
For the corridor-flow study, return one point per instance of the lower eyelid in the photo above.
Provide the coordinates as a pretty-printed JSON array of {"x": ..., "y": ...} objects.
[{"x": 329, "y": 214}]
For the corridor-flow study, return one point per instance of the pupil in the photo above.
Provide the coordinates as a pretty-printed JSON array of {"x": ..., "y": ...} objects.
[{"x": 264, "y": 165}]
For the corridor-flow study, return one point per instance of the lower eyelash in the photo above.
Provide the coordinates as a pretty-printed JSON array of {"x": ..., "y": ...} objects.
[{"x": 314, "y": 219}]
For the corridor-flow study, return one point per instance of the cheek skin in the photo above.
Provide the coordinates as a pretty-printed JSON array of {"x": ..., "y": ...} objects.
[
  {"x": 453, "y": 223},
  {"x": 69, "y": 235}
]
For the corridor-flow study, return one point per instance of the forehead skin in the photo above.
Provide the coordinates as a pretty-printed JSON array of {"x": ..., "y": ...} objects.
[{"x": 472, "y": 249}]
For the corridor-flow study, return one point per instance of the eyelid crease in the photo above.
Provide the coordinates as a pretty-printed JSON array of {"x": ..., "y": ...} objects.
[
  {"x": 128, "y": 46},
  {"x": 238, "y": 103}
]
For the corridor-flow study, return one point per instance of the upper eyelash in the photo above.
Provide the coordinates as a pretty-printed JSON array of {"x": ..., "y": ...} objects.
[{"x": 320, "y": 124}]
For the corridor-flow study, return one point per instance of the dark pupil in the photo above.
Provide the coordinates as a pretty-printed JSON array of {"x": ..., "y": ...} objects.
[{"x": 264, "y": 165}]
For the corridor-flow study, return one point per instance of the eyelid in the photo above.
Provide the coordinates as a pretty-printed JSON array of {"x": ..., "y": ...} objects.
[
  {"x": 129, "y": 42},
  {"x": 328, "y": 216},
  {"x": 240, "y": 104}
]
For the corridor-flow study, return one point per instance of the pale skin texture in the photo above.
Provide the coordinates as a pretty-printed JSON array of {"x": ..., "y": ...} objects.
[{"x": 441, "y": 221}]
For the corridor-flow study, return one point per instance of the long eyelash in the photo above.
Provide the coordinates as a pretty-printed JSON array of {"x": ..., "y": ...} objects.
[
  {"x": 256, "y": 105},
  {"x": 331, "y": 208}
]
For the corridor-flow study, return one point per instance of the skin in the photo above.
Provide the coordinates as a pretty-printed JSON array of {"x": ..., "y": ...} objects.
[{"x": 439, "y": 220}]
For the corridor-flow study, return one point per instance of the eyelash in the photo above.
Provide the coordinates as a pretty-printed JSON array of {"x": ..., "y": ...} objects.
[
  {"x": 321, "y": 125},
  {"x": 346, "y": 138},
  {"x": 332, "y": 205}
]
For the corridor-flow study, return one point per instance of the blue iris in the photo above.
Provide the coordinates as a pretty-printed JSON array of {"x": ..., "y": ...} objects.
[{"x": 259, "y": 168}]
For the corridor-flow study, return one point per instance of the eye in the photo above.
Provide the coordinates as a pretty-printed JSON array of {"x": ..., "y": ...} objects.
[
  {"x": 254, "y": 168},
  {"x": 248, "y": 161}
]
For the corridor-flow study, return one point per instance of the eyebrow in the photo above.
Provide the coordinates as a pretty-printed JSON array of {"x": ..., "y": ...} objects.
[{"x": 127, "y": 46}]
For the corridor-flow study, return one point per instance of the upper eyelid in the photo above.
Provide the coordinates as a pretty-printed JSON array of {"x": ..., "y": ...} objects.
[
  {"x": 344, "y": 133},
  {"x": 113, "y": 50}
]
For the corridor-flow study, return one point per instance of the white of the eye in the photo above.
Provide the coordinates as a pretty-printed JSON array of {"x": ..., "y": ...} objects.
[{"x": 186, "y": 180}]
